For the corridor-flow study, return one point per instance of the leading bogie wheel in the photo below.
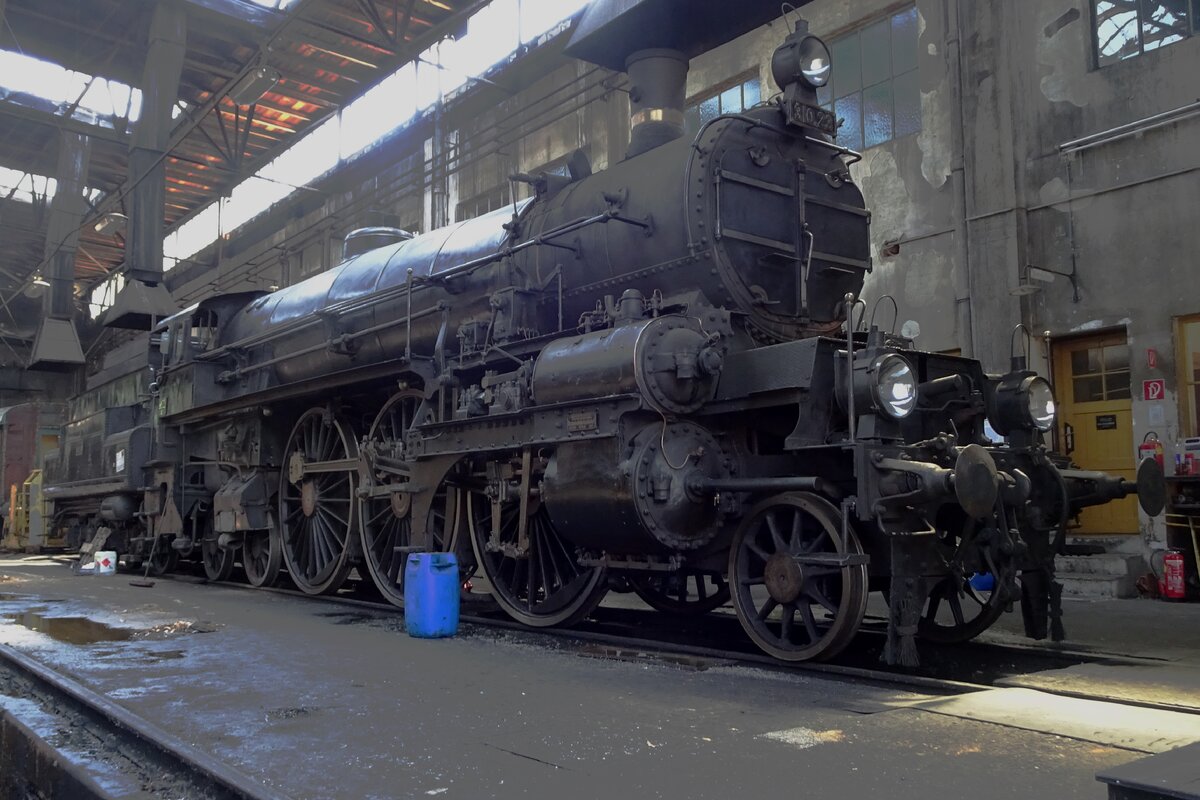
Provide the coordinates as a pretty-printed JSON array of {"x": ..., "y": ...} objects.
[
  {"x": 262, "y": 554},
  {"x": 958, "y": 609},
  {"x": 790, "y": 595},
  {"x": 218, "y": 561},
  {"x": 163, "y": 559},
  {"x": 684, "y": 592},
  {"x": 542, "y": 586},
  {"x": 317, "y": 493},
  {"x": 957, "y": 612},
  {"x": 387, "y": 520}
]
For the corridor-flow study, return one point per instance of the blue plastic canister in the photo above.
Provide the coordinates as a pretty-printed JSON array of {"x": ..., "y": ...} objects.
[
  {"x": 431, "y": 595},
  {"x": 983, "y": 581}
]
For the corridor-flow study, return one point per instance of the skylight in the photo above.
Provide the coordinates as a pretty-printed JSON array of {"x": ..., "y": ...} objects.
[
  {"x": 494, "y": 34},
  {"x": 24, "y": 187},
  {"x": 49, "y": 87},
  {"x": 278, "y": 5}
]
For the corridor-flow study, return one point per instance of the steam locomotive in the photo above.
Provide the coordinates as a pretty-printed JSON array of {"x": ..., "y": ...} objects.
[{"x": 647, "y": 376}]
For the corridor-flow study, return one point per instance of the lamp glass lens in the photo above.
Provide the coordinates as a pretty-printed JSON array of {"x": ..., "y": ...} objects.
[
  {"x": 1041, "y": 404},
  {"x": 815, "y": 64},
  {"x": 896, "y": 387}
]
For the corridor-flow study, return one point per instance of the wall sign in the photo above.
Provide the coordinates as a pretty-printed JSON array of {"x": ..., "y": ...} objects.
[
  {"x": 1152, "y": 358},
  {"x": 1154, "y": 390},
  {"x": 1106, "y": 422}
]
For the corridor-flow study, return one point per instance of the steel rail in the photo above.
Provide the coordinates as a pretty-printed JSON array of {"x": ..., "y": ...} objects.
[
  {"x": 665, "y": 650},
  {"x": 227, "y": 780}
]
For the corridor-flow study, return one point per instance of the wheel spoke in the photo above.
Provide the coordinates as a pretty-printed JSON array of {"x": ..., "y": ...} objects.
[
  {"x": 814, "y": 591},
  {"x": 810, "y": 624},
  {"x": 815, "y": 545},
  {"x": 787, "y": 619},
  {"x": 776, "y": 536},
  {"x": 767, "y": 608},
  {"x": 956, "y": 607}
]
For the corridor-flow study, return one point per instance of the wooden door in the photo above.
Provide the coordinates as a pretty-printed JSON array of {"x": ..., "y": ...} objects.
[{"x": 1095, "y": 420}]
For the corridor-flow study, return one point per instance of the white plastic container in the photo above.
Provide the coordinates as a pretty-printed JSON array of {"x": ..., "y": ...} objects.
[{"x": 106, "y": 562}]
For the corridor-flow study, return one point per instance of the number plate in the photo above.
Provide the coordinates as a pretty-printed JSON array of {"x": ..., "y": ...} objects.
[
  {"x": 581, "y": 421},
  {"x": 812, "y": 117}
]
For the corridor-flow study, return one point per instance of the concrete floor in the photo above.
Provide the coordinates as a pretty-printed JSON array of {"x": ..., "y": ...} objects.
[{"x": 322, "y": 701}]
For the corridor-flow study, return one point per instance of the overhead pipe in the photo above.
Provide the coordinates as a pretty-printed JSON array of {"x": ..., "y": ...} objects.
[
  {"x": 144, "y": 299},
  {"x": 56, "y": 344}
]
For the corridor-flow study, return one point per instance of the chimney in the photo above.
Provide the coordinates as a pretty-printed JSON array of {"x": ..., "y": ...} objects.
[
  {"x": 653, "y": 41},
  {"x": 56, "y": 344},
  {"x": 657, "y": 83},
  {"x": 144, "y": 298}
]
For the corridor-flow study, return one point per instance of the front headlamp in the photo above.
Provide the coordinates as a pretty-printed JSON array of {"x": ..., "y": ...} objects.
[
  {"x": 895, "y": 389},
  {"x": 1041, "y": 408},
  {"x": 815, "y": 63},
  {"x": 802, "y": 58},
  {"x": 1022, "y": 401}
]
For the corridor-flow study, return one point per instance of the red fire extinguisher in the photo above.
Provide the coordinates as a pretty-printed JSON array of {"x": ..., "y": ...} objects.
[
  {"x": 1172, "y": 582},
  {"x": 1151, "y": 448}
]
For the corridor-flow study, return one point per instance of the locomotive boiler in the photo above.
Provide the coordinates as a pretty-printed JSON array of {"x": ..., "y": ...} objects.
[{"x": 647, "y": 376}]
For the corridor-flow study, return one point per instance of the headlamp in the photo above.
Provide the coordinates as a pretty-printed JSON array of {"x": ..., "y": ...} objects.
[
  {"x": 1041, "y": 403},
  {"x": 1022, "y": 401},
  {"x": 815, "y": 63},
  {"x": 895, "y": 388},
  {"x": 802, "y": 58}
]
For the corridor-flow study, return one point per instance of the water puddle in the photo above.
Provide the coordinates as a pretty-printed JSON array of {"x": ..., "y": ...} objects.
[{"x": 72, "y": 630}]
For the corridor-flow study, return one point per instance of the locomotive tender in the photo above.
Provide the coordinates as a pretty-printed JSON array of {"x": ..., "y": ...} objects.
[{"x": 645, "y": 376}]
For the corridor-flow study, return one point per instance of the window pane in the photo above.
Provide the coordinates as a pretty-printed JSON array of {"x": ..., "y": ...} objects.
[
  {"x": 904, "y": 41},
  {"x": 847, "y": 70},
  {"x": 1116, "y": 358},
  {"x": 877, "y": 114},
  {"x": 1116, "y": 30},
  {"x": 731, "y": 100},
  {"x": 751, "y": 93},
  {"x": 849, "y": 111},
  {"x": 908, "y": 104},
  {"x": 1195, "y": 415},
  {"x": 1085, "y": 361},
  {"x": 1191, "y": 342},
  {"x": 1116, "y": 386},
  {"x": 1088, "y": 390},
  {"x": 710, "y": 109},
  {"x": 1163, "y": 22},
  {"x": 876, "y": 52}
]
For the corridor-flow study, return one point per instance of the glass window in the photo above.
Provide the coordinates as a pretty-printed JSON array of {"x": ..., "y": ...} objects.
[
  {"x": 743, "y": 94},
  {"x": 1127, "y": 28},
  {"x": 874, "y": 91},
  {"x": 1188, "y": 352},
  {"x": 1100, "y": 373}
]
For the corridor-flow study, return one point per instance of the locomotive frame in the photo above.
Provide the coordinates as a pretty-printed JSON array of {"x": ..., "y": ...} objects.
[{"x": 646, "y": 375}]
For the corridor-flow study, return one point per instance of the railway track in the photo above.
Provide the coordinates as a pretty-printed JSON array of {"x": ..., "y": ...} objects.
[
  {"x": 716, "y": 639},
  {"x": 92, "y": 747},
  {"x": 151, "y": 761}
]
